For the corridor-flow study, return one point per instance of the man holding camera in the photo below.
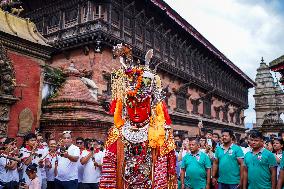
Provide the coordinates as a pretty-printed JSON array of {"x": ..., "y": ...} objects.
[
  {"x": 67, "y": 170},
  {"x": 92, "y": 160}
]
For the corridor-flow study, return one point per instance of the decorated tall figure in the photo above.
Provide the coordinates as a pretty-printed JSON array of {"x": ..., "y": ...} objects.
[{"x": 140, "y": 146}]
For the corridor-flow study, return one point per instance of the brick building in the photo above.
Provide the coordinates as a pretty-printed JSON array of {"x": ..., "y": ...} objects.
[
  {"x": 201, "y": 83},
  {"x": 23, "y": 52}
]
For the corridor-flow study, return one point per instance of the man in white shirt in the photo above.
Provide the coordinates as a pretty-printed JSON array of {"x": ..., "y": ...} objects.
[
  {"x": 9, "y": 176},
  {"x": 67, "y": 169},
  {"x": 92, "y": 160}
]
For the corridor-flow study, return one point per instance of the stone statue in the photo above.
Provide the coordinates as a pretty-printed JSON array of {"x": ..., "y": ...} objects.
[{"x": 92, "y": 87}]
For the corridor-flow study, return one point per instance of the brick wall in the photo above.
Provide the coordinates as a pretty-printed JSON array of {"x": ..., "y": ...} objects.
[{"x": 28, "y": 79}]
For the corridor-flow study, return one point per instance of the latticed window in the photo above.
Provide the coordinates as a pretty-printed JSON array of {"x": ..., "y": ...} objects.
[
  {"x": 207, "y": 107},
  {"x": 181, "y": 103},
  {"x": 53, "y": 24},
  {"x": 148, "y": 37},
  {"x": 139, "y": 35},
  {"x": 100, "y": 12},
  {"x": 127, "y": 25},
  {"x": 115, "y": 18},
  {"x": 71, "y": 17},
  {"x": 84, "y": 12},
  {"x": 54, "y": 20}
]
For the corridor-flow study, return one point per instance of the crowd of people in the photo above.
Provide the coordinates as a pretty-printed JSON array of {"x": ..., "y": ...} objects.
[
  {"x": 213, "y": 161},
  {"x": 206, "y": 161},
  {"x": 51, "y": 164}
]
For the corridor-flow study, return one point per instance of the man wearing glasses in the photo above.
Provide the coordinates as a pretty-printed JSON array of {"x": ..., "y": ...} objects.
[{"x": 67, "y": 169}]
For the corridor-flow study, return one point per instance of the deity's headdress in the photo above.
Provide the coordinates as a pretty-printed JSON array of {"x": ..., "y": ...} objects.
[{"x": 138, "y": 81}]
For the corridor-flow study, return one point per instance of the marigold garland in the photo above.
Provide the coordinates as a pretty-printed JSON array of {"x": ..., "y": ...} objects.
[{"x": 131, "y": 73}]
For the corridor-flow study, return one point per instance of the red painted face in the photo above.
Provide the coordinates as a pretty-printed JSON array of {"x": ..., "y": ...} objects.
[{"x": 138, "y": 112}]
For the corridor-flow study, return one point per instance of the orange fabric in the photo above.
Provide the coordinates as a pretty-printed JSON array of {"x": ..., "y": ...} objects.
[{"x": 118, "y": 121}]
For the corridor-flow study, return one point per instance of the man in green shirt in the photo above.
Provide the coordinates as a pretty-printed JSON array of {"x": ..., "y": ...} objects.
[
  {"x": 259, "y": 165},
  {"x": 195, "y": 168},
  {"x": 228, "y": 163},
  {"x": 281, "y": 174}
]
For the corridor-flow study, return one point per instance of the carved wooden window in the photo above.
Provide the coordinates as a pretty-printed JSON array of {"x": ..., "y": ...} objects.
[
  {"x": 167, "y": 47},
  {"x": 116, "y": 22},
  {"x": 171, "y": 50},
  {"x": 158, "y": 44},
  {"x": 182, "y": 61},
  {"x": 71, "y": 17},
  {"x": 181, "y": 103},
  {"x": 207, "y": 107},
  {"x": 139, "y": 35},
  {"x": 232, "y": 114},
  {"x": 148, "y": 36},
  {"x": 217, "y": 112},
  {"x": 128, "y": 27},
  {"x": 225, "y": 114},
  {"x": 53, "y": 24},
  {"x": 100, "y": 12},
  {"x": 195, "y": 104},
  {"x": 238, "y": 113},
  {"x": 163, "y": 45},
  {"x": 115, "y": 18},
  {"x": 181, "y": 97},
  {"x": 84, "y": 12}
]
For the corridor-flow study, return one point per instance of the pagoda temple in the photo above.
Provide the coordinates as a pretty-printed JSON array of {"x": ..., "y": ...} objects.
[
  {"x": 75, "y": 107},
  {"x": 269, "y": 101}
]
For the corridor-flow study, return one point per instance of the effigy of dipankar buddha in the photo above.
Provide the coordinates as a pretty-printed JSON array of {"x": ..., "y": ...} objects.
[{"x": 140, "y": 146}]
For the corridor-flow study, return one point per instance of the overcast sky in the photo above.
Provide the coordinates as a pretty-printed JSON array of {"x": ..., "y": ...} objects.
[{"x": 243, "y": 30}]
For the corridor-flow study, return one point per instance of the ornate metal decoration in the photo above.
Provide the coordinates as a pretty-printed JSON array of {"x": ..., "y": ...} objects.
[{"x": 7, "y": 74}]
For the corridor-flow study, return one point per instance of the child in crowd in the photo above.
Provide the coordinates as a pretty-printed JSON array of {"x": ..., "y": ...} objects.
[{"x": 34, "y": 183}]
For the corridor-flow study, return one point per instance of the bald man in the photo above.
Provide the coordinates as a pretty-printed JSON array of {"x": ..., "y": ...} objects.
[{"x": 66, "y": 171}]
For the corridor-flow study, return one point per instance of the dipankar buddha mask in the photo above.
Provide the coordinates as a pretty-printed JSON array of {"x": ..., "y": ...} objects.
[{"x": 140, "y": 145}]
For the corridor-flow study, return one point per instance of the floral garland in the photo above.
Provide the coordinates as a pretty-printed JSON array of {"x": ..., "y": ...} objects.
[{"x": 135, "y": 72}]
